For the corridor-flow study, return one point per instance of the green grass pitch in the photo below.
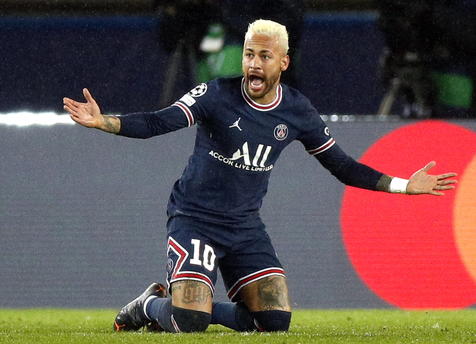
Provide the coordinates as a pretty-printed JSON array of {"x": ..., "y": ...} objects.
[{"x": 55, "y": 326}]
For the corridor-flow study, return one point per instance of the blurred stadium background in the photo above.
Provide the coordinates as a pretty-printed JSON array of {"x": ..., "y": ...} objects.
[
  {"x": 98, "y": 7},
  {"x": 82, "y": 213}
]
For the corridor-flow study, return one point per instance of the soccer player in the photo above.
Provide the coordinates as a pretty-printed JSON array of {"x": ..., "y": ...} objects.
[{"x": 243, "y": 124}]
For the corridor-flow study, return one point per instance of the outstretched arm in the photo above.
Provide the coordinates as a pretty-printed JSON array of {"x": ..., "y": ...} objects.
[
  {"x": 140, "y": 125},
  {"x": 354, "y": 173},
  {"x": 89, "y": 115}
]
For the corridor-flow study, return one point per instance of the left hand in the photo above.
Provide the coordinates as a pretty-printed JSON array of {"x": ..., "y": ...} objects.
[{"x": 423, "y": 183}]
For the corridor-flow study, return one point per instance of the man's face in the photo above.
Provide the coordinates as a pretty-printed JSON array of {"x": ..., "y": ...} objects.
[{"x": 263, "y": 61}]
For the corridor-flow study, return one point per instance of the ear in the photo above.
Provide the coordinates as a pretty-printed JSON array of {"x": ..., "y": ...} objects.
[{"x": 285, "y": 60}]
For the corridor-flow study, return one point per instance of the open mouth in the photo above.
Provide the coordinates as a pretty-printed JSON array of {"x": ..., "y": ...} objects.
[{"x": 256, "y": 83}]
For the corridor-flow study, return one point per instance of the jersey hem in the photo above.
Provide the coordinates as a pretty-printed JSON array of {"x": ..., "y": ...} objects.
[{"x": 256, "y": 276}]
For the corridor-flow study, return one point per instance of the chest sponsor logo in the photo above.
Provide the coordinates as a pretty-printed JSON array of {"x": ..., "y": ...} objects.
[
  {"x": 280, "y": 132},
  {"x": 246, "y": 160}
]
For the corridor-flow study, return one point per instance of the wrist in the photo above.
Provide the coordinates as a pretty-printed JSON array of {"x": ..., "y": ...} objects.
[
  {"x": 398, "y": 185},
  {"x": 110, "y": 124},
  {"x": 101, "y": 123}
]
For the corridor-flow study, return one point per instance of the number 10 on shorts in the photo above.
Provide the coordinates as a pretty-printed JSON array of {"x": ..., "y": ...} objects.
[{"x": 208, "y": 258}]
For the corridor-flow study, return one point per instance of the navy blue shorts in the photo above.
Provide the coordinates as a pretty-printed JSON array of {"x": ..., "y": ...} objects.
[{"x": 196, "y": 248}]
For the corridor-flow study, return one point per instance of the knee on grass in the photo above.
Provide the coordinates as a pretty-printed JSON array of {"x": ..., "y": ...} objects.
[
  {"x": 187, "y": 320},
  {"x": 272, "y": 321}
]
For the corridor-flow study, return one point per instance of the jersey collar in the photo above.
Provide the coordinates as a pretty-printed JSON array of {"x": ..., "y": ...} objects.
[{"x": 261, "y": 107}]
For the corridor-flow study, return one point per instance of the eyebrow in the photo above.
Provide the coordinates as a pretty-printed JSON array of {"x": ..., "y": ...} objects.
[{"x": 261, "y": 51}]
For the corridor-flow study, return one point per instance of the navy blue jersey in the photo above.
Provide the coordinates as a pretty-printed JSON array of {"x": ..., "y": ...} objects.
[{"x": 237, "y": 144}]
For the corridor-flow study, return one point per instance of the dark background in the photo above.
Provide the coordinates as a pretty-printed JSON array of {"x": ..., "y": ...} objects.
[{"x": 46, "y": 56}]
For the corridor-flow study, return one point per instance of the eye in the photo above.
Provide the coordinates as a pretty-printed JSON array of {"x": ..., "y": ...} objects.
[{"x": 266, "y": 57}]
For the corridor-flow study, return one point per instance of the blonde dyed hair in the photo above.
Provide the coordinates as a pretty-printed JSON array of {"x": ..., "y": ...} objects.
[{"x": 269, "y": 28}]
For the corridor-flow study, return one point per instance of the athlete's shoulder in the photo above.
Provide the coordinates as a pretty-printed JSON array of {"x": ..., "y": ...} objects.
[
  {"x": 209, "y": 98},
  {"x": 215, "y": 87},
  {"x": 223, "y": 90},
  {"x": 211, "y": 91},
  {"x": 297, "y": 100},
  {"x": 226, "y": 84}
]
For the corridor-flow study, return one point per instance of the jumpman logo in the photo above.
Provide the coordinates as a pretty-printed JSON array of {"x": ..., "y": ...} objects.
[{"x": 236, "y": 124}]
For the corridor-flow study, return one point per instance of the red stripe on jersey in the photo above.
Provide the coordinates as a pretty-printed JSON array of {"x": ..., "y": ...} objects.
[
  {"x": 180, "y": 251},
  {"x": 322, "y": 148},
  {"x": 187, "y": 112},
  {"x": 260, "y": 107},
  {"x": 252, "y": 278}
]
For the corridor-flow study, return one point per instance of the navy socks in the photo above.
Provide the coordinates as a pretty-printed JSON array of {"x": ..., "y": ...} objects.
[
  {"x": 160, "y": 309},
  {"x": 232, "y": 315}
]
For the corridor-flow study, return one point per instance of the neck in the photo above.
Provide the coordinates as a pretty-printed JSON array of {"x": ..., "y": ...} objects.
[{"x": 267, "y": 98}]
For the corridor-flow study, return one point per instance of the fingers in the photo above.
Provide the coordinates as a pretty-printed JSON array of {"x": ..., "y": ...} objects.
[
  {"x": 71, "y": 105},
  {"x": 436, "y": 191},
  {"x": 446, "y": 181},
  {"x": 441, "y": 186},
  {"x": 446, "y": 175},
  {"x": 444, "y": 187},
  {"x": 432, "y": 164},
  {"x": 444, "y": 184},
  {"x": 68, "y": 109},
  {"x": 70, "y": 102},
  {"x": 88, "y": 96},
  {"x": 71, "y": 109},
  {"x": 429, "y": 166},
  {"x": 75, "y": 110},
  {"x": 72, "y": 113}
]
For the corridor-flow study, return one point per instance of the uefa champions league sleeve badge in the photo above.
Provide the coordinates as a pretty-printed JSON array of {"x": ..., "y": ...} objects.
[{"x": 198, "y": 90}]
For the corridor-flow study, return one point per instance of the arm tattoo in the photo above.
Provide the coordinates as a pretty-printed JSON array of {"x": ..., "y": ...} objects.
[
  {"x": 111, "y": 124},
  {"x": 384, "y": 183},
  {"x": 193, "y": 292},
  {"x": 272, "y": 293}
]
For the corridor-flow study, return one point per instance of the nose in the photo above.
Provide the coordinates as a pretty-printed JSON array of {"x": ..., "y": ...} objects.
[{"x": 255, "y": 63}]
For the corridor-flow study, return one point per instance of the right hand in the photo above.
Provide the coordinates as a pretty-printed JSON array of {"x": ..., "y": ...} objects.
[
  {"x": 421, "y": 182},
  {"x": 87, "y": 114}
]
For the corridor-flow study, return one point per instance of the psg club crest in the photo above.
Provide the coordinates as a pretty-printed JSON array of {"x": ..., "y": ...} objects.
[
  {"x": 198, "y": 90},
  {"x": 170, "y": 265},
  {"x": 280, "y": 132}
]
